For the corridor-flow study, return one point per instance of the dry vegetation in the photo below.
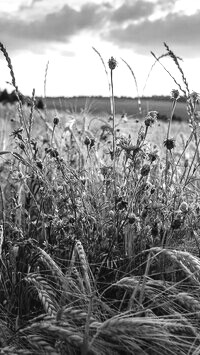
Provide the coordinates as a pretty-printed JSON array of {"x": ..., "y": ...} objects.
[{"x": 99, "y": 231}]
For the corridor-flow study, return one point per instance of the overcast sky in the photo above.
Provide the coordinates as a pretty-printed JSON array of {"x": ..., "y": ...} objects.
[{"x": 63, "y": 32}]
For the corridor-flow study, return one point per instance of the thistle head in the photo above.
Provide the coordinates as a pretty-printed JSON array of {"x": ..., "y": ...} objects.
[
  {"x": 169, "y": 143},
  {"x": 184, "y": 207},
  {"x": 175, "y": 94},
  {"x": 151, "y": 118},
  {"x": 194, "y": 97},
  {"x": 55, "y": 121},
  {"x": 112, "y": 63}
]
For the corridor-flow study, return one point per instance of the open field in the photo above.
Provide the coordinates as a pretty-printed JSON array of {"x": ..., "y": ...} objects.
[
  {"x": 123, "y": 105},
  {"x": 99, "y": 228}
]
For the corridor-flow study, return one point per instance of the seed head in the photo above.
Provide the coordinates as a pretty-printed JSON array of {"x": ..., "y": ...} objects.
[
  {"x": 145, "y": 170},
  {"x": 87, "y": 141},
  {"x": 169, "y": 143},
  {"x": 194, "y": 97},
  {"x": 175, "y": 94},
  {"x": 176, "y": 223},
  {"x": 55, "y": 121},
  {"x": 132, "y": 218},
  {"x": 112, "y": 63},
  {"x": 153, "y": 156},
  {"x": 151, "y": 118},
  {"x": 184, "y": 207}
]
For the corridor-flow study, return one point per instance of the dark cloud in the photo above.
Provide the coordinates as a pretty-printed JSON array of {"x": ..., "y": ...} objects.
[
  {"x": 179, "y": 30},
  {"x": 114, "y": 25},
  {"x": 54, "y": 27},
  {"x": 137, "y": 10}
]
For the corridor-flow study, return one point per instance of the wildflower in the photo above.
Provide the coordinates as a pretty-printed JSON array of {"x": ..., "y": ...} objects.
[
  {"x": 87, "y": 141},
  {"x": 112, "y": 63},
  {"x": 175, "y": 94},
  {"x": 153, "y": 156},
  {"x": 151, "y": 118},
  {"x": 132, "y": 218},
  {"x": 121, "y": 203},
  {"x": 55, "y": 121},
  {"x": 145, "y": 170},
  {"x": 184, "y": 207},
  {"x": 194, "y": 98},
  {"x": 176, "y": 223},
  {"x": 169, "y": 143}
]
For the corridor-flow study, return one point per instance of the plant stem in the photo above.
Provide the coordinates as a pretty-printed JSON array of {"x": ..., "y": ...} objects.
[{"x": 168, "y": 133}]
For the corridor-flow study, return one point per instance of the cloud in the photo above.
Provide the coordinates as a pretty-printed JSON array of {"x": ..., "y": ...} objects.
[
  {"x": 115, "y": 25},
  {"x": 179, "y": 30},
  {"x": 137, "y": 10},
  {"x": 54, "y": 27}
]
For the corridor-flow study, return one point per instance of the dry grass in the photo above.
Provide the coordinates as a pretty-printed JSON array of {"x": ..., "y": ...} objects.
[{"x": 100, "y": 231}]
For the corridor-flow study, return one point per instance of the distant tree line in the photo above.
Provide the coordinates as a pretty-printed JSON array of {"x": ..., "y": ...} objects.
[{"x": 11, "y": 98}]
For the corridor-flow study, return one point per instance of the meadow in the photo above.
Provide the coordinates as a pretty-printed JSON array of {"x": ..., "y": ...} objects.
[{"x": 99, "y": 225}]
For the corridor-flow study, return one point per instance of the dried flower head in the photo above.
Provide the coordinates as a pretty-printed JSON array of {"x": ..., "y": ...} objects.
[
  {"x": 132, "y": 218},
  {"x": 151, "y": 118},
  {"x": 55, "y": 121},
  {"x": 194, "y": 97},
  {"x": 175, "y": 94},
  {"x": 153, "y": 156},
  {"x": 145, "y": 170},
  {"x": 184, "y": 207},
  {"x": 87, "y": 141},
  {"x": 112, "y": 63},
  {"x": 169, "y": 143}
]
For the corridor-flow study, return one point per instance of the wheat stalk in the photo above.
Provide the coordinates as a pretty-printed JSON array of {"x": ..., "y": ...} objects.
[
  {"x": 189, "y": 263},
  {"x": 79, "y": 250},
  {"x": 45, "y": 293},
  {"x": 41, "y": 344}
]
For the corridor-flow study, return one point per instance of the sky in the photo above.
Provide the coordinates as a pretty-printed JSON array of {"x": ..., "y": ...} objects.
[{"x": 64, "y": 32}]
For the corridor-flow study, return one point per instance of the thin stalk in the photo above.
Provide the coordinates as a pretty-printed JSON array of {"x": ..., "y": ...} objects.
[
  {"x": 109, "y": 85},
  {"x": 113, "y": 114},
  {"x": 171, "y": 116},
  {"x": 145, "y": 278},
  {"x": 168, "y": 134},
  {"x": 136, "y": 85},
  {"x": 45, "y": 87},
  {"x": 86, "y": 345},
  {"x": 31, "y": 115}
]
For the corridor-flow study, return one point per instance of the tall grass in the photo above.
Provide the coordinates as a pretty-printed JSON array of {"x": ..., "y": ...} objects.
[{"x": 99, "y": 249}]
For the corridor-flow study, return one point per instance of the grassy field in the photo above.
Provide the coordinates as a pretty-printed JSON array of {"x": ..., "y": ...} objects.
[
  {"x": 123, "y": 105},
  {"x": 99, "y": 228}
]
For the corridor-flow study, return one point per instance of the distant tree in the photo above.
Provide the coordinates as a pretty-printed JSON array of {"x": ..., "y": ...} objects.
[
  {"x": 40, "y": 104},
  {"x": 4, "y": 96},
  {"x": 13, "y": 97}
]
